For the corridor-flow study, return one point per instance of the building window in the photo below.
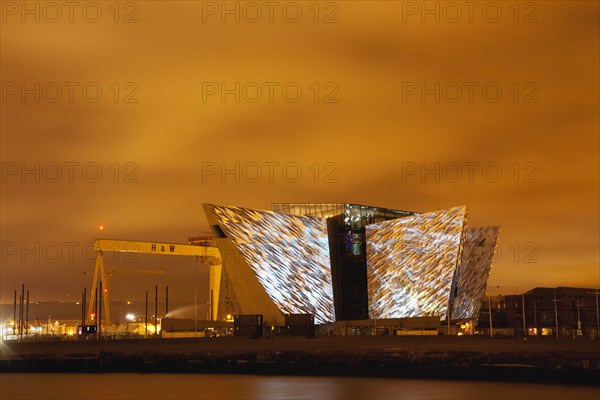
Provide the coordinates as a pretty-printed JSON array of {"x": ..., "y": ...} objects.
[{"x": 218, "y": 232}]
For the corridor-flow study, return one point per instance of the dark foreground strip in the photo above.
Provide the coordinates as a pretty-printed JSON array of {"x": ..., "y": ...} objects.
[{"x": 461, "y": 366}]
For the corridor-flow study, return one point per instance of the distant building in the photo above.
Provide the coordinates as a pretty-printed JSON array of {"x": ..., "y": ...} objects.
[
  {"x": 343, "y": 262},
  {"x": 576, "y": 309},
  {"x": 497, "y": 305}
]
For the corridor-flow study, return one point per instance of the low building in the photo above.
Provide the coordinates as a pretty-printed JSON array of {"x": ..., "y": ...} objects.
[
  {"x": 180, "y": 328},
  {"x": 422, "y": 326},
  {"x": 562, "y": 312},
  {"x": 573, "y": 312}
]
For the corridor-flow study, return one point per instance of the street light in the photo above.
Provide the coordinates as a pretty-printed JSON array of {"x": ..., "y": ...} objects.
[
  {"x": 556, "y": 312},
  {"x": 596, "y": 291},
  {"x": 490, "y": 312},
  {"x": 578, "y": 305},
  {"x": 537, "y": 333},
  {"x": 523, "y": 311},
  {"x": 597, "y": 316}
]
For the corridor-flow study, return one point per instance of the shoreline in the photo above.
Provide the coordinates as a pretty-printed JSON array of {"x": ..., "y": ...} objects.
[{"x": 455, "y": 358}]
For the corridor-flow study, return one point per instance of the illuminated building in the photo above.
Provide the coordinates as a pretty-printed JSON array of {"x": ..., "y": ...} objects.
[
  {"x": 473, "y": 271},
  {"x": 277, "y": 263},
  {"x": 412, "y": 263},
  {"x": 350, "y": 262}
]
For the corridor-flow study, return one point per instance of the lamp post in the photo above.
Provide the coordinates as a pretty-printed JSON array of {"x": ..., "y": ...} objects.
[
  {"x": 146, "y": 321},
  {"x": 596, "y": 291},
  {"x": 490, "y": 312},
  {"x": 578, "y": 305},
  {"x": 523, "y": 311},
  {"x": 537, "y": 333},
  {"x": 556, "y": 313},
  {"x": 597, "y": 316}
]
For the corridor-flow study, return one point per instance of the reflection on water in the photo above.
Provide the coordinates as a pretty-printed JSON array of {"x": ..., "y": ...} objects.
[{"x": 214, "y": 387}]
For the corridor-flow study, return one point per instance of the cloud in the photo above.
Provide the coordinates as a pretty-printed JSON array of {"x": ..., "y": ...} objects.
[{"x": 383, "y": 90}]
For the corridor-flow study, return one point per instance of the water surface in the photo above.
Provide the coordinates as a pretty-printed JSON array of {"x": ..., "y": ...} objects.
[{"x": 218, "y": 387}]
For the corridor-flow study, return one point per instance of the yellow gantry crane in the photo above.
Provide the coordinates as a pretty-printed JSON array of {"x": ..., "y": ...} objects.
[
  {"x": 110, "y": 272},
  {"x": 205, "y": 251}
]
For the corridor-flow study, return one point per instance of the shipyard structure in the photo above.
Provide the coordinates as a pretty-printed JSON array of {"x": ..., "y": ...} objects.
[{"x": 349, "y": 262}]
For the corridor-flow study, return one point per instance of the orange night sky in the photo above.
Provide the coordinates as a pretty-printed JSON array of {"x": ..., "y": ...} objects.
[{"x": 131, "y": 117}]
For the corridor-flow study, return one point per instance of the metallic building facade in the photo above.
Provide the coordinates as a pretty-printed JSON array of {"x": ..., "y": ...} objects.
[
  {"x": 474, "y": 270},
  {"x": 349, "y": 262},
  {"x": 411, "y": 263},
  {"x": 288, "y": 254},
  {"x": 346, "y": 225}
]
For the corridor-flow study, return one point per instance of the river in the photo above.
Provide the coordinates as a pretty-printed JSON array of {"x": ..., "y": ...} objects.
[{"x": 217, "y": 387}]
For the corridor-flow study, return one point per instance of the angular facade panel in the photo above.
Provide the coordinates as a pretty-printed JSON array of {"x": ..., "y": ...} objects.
[
  {"x": 411, "y": 263},
  {"x": 241, "y": 292},
  {"x": 288, "y": 254},
  {"x": 473, "y": 272}
]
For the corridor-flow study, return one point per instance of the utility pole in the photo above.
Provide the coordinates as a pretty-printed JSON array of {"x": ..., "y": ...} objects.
[
  {"x": 537, "y": 334},
  {"x": 166, "y": 300},
  {"x": 146, "y": 313},
  {"x": 15, "y": 314},
  {"x": 27, "y": 315},
  {"x": 578, "y": 305},
  {"x": 156, "y": 310},
  {"x": 596, "y": 291},
  {"x": 556, "y": 314},
  {"x": 523, "y": 311},
  {"x": 84, "y": 309},
  {"x": 597, "y": 317},
  {"x": 21, "y": 311}
]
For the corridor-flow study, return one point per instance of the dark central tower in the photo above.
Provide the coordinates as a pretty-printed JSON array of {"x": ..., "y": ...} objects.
[{"x": 347, "y": 249}]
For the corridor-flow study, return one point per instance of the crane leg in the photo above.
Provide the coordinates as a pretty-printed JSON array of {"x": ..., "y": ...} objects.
[
  {"x": 215, "y": 286},
  {"x": 92, "y": 301},
  {"x": 106, "y": 288}
]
